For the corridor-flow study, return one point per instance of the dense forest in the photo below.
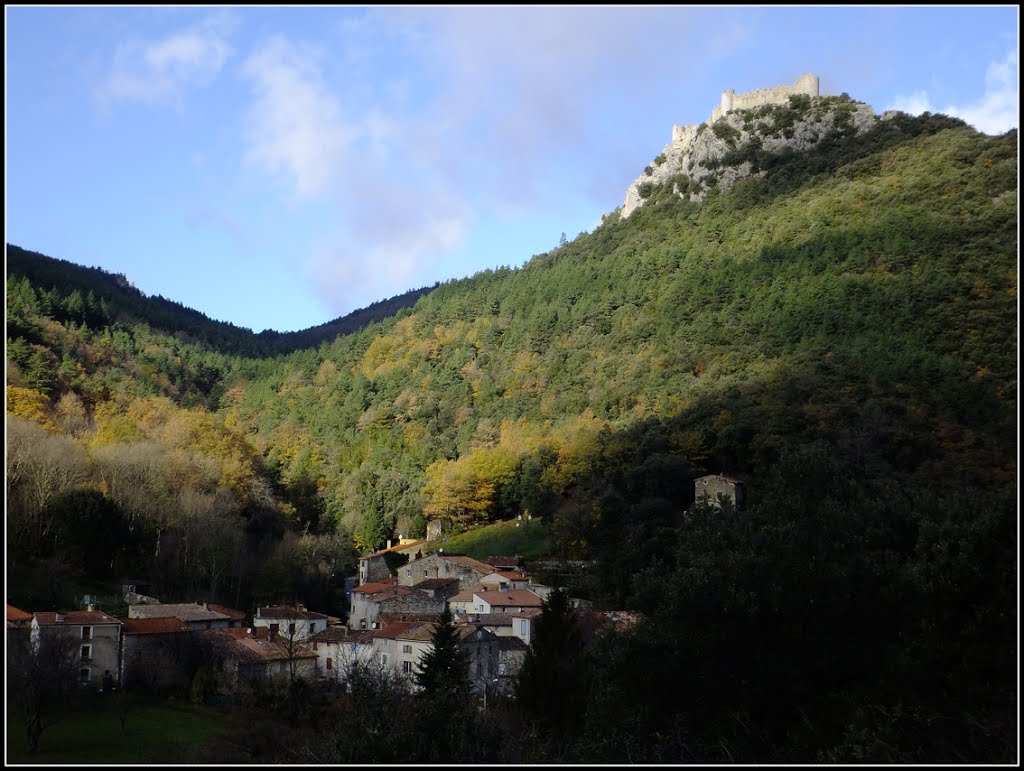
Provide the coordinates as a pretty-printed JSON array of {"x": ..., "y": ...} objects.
[{"x": 839, "y": 333}]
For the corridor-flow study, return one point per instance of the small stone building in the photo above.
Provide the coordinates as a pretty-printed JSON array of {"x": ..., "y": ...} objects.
[
  {"x": 716, "y": 488},
  {"x": 467, "y": 570},
  {"x": 375, "y": 567}
]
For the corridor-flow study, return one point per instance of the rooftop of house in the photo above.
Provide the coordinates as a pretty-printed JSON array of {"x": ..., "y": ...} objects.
[
  {"x": 16, "y": 614},
  {"x": 435, "y": 583},
  {"x": 341, "y": 634},
  {"x": 186, "y": 611},
  {"x": 513, "y": 597},
  {"x": 424, "y": 632},
  {"x": 468, "y": 562},
  {"x": 254, "y": 645},
  {"x": 509, "y": 575},
  {"x": 511, "y": 643},
  {"x": 467, "y": 596},
  {"x": 169, "y": 625},
  {"x": 386, "y": 617},
  {"x": 76, "y": 617},
  {"x": 527, "y": 613},
  {"x": 289, "y": 611},
  {"x": 234, "y": 615},
  {"x": 376, "y": 586}
]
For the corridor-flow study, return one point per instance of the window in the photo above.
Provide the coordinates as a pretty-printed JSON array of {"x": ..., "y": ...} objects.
[
  {"x": 83, "y": 674},
  {"x": 522, "y": 626},
  {"x": 86, "y": 652},
  {"x": 330, "y": 664},
  {"x": 406, "y": 649},
  {"x": 408, "y": 573},
  {"x": 291, "y": 630},
  {"x": 425, "y": 574},
  {"x": 407, "y": 667},
  {"x": 86, "y": 632},
  {"x": 384, "y": 659}
]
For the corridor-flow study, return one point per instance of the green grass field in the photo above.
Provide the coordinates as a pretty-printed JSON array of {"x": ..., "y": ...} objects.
[
  {"x": 501, "y": 538},
  {"x": 163, "y": 732}
]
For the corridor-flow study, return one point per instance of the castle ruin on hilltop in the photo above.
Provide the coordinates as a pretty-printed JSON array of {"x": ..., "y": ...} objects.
[{"x": 805, "y": 84}]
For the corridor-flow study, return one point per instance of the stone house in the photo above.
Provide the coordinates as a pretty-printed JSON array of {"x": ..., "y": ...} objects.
[
  {"x": 195, "y": 616},
  {"x": 716, "y": 488},
  {"x": 505, "y": 579},
  {"x": 243, "y": 657},
  {"x": 157, "y": 654},
  {"x": 370, "y": 600},
  {"x": 339, "y": 650},
  {"x": 291, "y": 622},
  {"x": 400, "y": 647},
  {"x": 467, "y": 570},
  {"x": 97, "y": 638},
  {"x": 374, "y": 567}
]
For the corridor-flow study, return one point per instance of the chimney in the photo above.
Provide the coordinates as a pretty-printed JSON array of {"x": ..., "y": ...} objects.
[
  {"x": 206, "y": 606},
  {"x": 59, "y": 618},
  {"x": 90, "y": 606},
  {"x": 390, "y": 542}
]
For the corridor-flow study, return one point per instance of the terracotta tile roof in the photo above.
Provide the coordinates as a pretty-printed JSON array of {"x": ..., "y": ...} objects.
[
  {"x": 274, "y": 651},
  {"x": 287, "y": 611},
  {"x": 340, "y": 634},
  {"x": 528, "y": 613},
  {"x": 234, "y": 615},
  {"x": 435, "y": 583},
  {"x": 466, "y": 596},
  {"x": 16, "y": 614},
  {"x": 461, "y": 559},
  {"x": 509, "y": 575},
  {"x": 508, "y": 643},
  {"x": 389, "y": 630},
  {"x": 513, "y": 597},
  {"x": 376, "y": 586},
  {"x": 185, "y": 611},
  {"x": 153, "y": 625},
  {"x": 90, "y": 617}
]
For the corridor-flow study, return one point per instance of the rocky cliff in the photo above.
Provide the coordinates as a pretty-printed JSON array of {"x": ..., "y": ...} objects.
[{"x": 717, "y": 154}]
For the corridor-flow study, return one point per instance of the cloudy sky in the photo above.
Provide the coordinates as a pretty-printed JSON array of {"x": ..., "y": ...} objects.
[{"x": 280, "y": 167}]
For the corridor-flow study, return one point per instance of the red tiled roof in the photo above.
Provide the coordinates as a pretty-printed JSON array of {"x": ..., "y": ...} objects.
[
  {"x": 153, "y": 625},
  {"x": 234, "y": 615},
  {"x": 16, "y": 614},
  {"x": 518, "y": 597},
  {"x": 376, "y": 586},
  {"x": 90, "y": 617}
]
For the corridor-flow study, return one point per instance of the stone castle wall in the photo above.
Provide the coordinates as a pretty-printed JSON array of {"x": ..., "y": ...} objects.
[{"x": 805, "y": 84}]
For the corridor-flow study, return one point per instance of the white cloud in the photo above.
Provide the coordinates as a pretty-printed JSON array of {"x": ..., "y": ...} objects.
[
  {"x": 296, "y": 125},
  {"x": 162, "y": 70},
  {"x": 994, "y": 113}
]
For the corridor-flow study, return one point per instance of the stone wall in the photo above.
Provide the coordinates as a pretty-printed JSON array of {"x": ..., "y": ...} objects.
[{"x": 805, "y": 84}]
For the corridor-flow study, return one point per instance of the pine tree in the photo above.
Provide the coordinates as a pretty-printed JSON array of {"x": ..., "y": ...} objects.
[
  {"x": 552, "y": 687},
  {"x": 443, "y": 673}
]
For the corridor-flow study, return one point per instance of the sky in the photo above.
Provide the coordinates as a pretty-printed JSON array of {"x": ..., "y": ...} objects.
[{"x": 280, "y": 167}]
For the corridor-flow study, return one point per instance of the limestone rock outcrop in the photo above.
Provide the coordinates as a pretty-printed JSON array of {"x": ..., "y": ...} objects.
[{"x": 710, "y": 154}]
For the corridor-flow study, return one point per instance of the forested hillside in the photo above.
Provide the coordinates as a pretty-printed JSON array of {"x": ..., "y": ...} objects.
[{"x": 839, "y": 333}]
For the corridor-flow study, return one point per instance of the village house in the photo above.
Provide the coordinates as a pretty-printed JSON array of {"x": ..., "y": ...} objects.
[
  {"x": 157, "y": 654},
  {"x": 518, "y": 624},
  {"x": 97, "y": 642},
  {"x": 370, "y": 600},
  {"x": 467, "y": 570},
  {"x": 378, "y": 566},
  {"x": 193, "y": 615},
  {"x": 504, "y": 580},
  {"x": 19, "y": 624},
  {"x": 716, "y": 489},
  {"x": 339, "y": 650},
  {"x": 246, "y": 656},
  {"x": 508, "y": 601},
  {"x": 291, "y": 622},
  {"x": 400, "y": 647}
]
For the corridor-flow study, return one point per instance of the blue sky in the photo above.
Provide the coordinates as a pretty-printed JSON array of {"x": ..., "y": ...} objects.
[{"x": 279, "y": 167}]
